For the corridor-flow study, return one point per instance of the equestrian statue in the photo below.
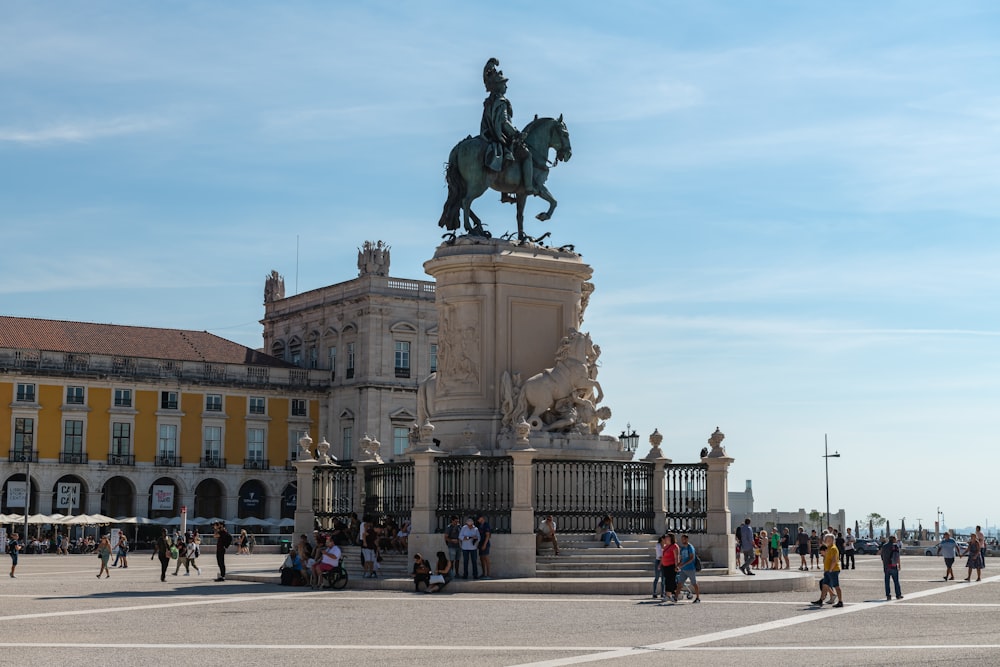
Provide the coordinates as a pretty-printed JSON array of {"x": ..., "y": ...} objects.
[{"x": 512, "y": 162}]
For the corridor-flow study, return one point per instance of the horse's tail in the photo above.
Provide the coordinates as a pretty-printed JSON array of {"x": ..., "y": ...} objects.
[{"x": 456, "y": 193}]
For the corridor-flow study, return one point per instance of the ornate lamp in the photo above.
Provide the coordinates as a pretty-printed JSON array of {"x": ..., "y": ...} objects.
[{"x": 630, "y": 441}]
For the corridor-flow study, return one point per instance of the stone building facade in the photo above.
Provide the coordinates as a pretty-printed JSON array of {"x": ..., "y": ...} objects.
[
  {"x": 144, "y": 421},
  {"x": 373, "y": 338}
]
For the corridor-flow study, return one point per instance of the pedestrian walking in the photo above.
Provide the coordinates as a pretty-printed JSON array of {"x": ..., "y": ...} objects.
[
  {"x": 786, "y": 541},
  {"x": 948, "y": 549},
  {"x": 182, "y": 558},
  {"x": 193, "y": 549},
  {"x": 774, "y": 549},
  {"x": 658, "y": 583},
  {"x": 688, "y": 569},
  {"x": 744, "y": 540},
  {"x": 162, "y": 551},
  {"x": 14, "y": 549},
  {"x": 974, "y": 562},
  {"x": 890, "y": 566},
  {"x": 831, "y": 574},
  {"x": 671, "y": 556},
  {"x": 104, "y": 553}
]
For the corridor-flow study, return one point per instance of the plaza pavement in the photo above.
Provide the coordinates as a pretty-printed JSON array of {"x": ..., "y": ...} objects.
[{"x": 57, "y": 612}]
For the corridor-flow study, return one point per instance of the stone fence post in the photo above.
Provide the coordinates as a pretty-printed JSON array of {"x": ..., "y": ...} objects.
[
  {"x": 659, "y": 490},
  {"x": 423, "y": 520},
  {"x": 720, "y": 537}
]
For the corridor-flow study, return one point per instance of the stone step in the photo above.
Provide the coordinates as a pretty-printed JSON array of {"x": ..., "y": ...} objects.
[{"x": 613, "y": 573}]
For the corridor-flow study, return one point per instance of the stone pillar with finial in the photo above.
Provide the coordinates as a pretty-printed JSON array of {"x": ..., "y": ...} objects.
[
  {"x": 720, "y": 540},
  {"x": 304, "y": 465},
  {"x": 659, "y": 491}
]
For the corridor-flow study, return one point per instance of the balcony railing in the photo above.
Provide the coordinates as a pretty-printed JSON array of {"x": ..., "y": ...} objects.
[
  {"x": 121, "y": 459},
  {"x": 22, "y": 456},
  {"x": 72, "y": 457},
  {"x": 167, "y": 460},
  {"x": 402, "y": 371},
  {"x": 256, "y": 464},
  {"x": 212, "y": 462}
]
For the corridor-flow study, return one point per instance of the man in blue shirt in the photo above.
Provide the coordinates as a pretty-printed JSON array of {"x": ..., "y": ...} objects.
[
  {"x": 948, "y": 548},
  {"x": 686, "y": 570}
]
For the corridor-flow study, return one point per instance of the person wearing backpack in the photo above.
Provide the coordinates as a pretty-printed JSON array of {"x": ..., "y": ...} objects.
[
  {"x": 686, "y": 570},
  {"x": 890, "y": 566},
  {"x": 223, "y": 540}
]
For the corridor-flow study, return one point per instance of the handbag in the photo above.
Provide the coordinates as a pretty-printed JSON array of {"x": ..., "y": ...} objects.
[{"x": 437, "y": 579}]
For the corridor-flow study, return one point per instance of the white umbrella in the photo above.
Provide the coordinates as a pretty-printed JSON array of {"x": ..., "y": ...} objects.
[
  {"x": 285, "y": 523},
  {"x": 100, "y": 519},
  {"x": 43, "y": 518}
]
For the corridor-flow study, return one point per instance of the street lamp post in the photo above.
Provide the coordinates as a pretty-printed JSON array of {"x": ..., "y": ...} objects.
[
  {"x": 630, "y": 441},
  {"x": 826, "y": 460}
]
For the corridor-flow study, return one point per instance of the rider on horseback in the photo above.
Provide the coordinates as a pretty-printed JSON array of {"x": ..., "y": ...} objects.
[{"x": 506, "y": 143}]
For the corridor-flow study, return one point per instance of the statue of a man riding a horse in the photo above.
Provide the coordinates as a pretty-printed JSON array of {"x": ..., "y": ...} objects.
[{"x": 512, "y": 162}]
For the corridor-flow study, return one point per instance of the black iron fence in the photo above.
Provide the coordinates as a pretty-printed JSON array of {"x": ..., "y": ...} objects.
[
  {"x": 686, "y": 497},
  {"x": 333, "y": 493},
  {"x": 389, "y": 492},
  {"x": 475, "y": 486},
  {"x": 578, "y": 493}
]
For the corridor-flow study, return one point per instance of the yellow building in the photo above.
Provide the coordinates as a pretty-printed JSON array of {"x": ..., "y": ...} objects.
[{"x": 139, "y": 421}]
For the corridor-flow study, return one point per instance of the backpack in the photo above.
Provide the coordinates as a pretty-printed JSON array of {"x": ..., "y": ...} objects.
[{"x": 697, "y": 563}]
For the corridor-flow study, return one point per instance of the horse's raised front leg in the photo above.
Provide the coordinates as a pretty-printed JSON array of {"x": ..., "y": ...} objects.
[{"x": 544, "y": 193}]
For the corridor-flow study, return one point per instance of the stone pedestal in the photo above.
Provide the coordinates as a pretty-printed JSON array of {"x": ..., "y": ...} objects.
[
  {"x": 501, "y": 307},
  {"x": 719, "y": 540},
  {"x": 304, "y": 515}
]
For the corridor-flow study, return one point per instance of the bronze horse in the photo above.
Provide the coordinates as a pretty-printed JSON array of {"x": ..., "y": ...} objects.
[{"x": 468, "y": 177}]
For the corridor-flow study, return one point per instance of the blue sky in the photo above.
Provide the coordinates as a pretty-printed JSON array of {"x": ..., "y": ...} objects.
[{"x": 790, "y": 207}]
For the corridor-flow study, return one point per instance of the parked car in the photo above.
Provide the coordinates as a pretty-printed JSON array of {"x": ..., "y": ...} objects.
[{"x": 866, "y": 546}]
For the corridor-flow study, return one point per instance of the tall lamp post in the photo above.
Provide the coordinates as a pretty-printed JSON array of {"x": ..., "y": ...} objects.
[{"x": 826, "y": 460}]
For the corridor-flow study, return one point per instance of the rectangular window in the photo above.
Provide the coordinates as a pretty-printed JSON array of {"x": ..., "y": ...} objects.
[
  {"x": 167, "y": 444},
  {"x": 332, "y": 352},
  {"x": 257, "y": 406},
  {"x": 434, "y": 357},
  {"x": 73, "y": 436},
  {"x": 213, "y": 403},
  {"x": 25, "y": 392},
  {"x": 402, "y": 359},
  {"x": 168, "y": 400},
  {"x": 24, "y": 434},
  {"x": 255, "y": 444},
  {"x": 313, "y": 357},
  {"x": 347, "y": 442},
  {"x": 350, "y": 360},
  {"x": 74, "y": 395},
  {"x": 123, "y": 398},
  {"x": 400, "y": 439},
  {"x": 213, "y": 443},
  {"x": 299, "y": 407},
  {"x": 121, "y": 438}
]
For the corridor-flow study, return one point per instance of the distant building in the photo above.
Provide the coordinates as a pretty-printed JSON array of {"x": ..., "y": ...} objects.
[
  {"x": 140, "y": 421},
  {"x": 741, "y": 507},
  {"x": 373, "y": 337}
]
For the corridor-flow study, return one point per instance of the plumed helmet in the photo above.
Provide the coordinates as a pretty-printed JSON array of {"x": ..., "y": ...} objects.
[{"x": 491, "y": 75}]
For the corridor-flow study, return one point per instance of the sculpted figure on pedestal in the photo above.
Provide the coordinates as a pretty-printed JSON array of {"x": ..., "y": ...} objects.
[
  {"x": 512, "y": 162},
  {"x": 274, "y": 287},
  {"x": 563, "y": 398}
]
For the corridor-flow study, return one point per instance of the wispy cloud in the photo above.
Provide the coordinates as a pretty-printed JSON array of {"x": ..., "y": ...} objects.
[{"x": 81, "y": 131}]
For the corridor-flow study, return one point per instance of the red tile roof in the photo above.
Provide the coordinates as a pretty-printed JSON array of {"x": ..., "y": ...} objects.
[{"x": 27, "y": 333}]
